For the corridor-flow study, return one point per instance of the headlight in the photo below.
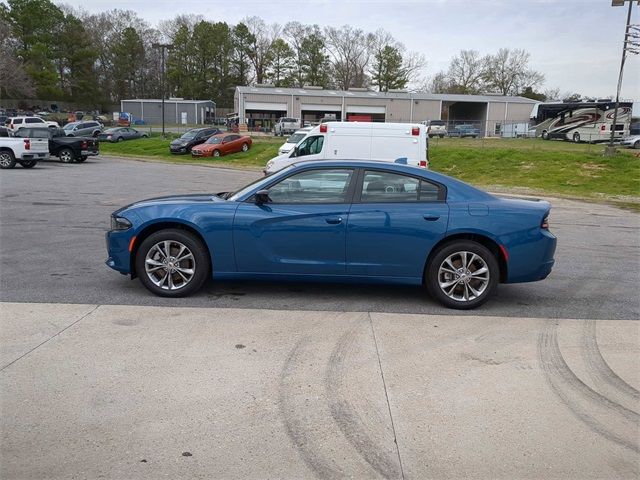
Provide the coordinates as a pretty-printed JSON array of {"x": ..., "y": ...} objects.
[{"x": 120, "y": 223}]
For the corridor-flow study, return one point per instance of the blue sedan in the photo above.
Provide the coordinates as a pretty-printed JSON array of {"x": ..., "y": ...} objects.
[{"x": 336, "y": 221}]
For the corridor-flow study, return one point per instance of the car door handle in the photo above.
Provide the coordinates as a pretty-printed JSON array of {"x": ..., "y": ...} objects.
[
  {"x": 430, "y": 217},
  {"x": 333, "y": 220}
]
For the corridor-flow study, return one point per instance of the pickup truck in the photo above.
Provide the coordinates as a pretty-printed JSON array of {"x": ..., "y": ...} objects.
[
  {"x": 67, "y": 149},
  {"x": 286, "y": 125},
  {"x": 25, "y": 151},
  {"x": 464, "y": 131}
]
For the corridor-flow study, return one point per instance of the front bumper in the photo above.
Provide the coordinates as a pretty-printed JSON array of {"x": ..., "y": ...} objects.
[
  {"x": 178, "y": 149},
  {"x": 118, "y": 255}
]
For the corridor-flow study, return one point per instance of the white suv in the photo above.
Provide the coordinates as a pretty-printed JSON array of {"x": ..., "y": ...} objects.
[
  {"x": 293, "y": 140},
  {"x": 436, "y": 128},
  {"x": 16, "y": 123}
]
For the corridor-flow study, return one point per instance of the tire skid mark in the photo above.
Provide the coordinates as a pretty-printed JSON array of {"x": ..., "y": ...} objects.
[
  {"x": 348, "y": 419},
  {"x": 295, "y": 420},
  {"x": 605, "y": 417},
  {"x": 600, "y": 371}
]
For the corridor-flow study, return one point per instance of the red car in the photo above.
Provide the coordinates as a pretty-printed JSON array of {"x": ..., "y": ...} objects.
[{"x": 221, "y": 144}]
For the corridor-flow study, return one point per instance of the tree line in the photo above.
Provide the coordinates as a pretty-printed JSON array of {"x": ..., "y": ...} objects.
[{"x": 49, "y": 51}]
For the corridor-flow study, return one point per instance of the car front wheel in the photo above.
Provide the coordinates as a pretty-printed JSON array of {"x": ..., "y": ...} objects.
[
  {"x": 245, "y": 147},
  {"x": 216, "y": 153},
  {"x": 172, "y": 263},
  {"x": 462, "y": 275},
  {"x": 637, "y": 145}
]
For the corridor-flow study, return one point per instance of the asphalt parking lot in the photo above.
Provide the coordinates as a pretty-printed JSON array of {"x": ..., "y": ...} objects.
[
  {"x": 53, "y": 250},
  {"x": 100, "y": 379}
]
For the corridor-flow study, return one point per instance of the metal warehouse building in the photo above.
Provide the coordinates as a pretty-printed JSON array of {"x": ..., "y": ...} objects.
[
  {"x": 259, "y": 106},
  {"x": 176, "y": 110}
]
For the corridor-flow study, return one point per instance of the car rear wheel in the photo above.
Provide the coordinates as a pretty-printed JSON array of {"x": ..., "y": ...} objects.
[
  {"x": 29, "y": 163},
  {"x": 66, "y": 155},
  {"x": 7, "y": 160},
  {"x": 545, "y": 135},
  {"x": 120, "y": 139},
  {"x": 172, "y": 263},
  {"x": 245, "y": 147},
  {"x": 81, "y": 159},
  {"x": 462, "y": 275}
]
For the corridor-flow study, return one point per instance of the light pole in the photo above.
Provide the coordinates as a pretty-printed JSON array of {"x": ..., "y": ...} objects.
[
  {"x": 631, "y": 45},
  {"x": 162, "y": 47}
]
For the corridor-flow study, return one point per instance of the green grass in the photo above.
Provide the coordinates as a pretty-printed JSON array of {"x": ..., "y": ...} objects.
[{"x": 520, "y": 165}]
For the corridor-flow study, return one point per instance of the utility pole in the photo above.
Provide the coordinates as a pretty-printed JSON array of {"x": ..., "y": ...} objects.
[
  {"x": 163, "y": 47},
  {"x": 631, "y": 45}
]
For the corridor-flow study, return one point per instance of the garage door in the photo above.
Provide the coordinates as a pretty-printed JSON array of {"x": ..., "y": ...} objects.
[
  {"x": 280, "y": 107},
  {"x": 365, "y": 109}
]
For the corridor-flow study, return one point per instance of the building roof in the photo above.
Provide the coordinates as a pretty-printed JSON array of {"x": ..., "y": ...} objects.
[
  {"x": 446, "y": 97},
  {"x": 166, "y": 100}
]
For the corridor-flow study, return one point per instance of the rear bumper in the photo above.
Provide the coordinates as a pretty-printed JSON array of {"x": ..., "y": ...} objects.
[
  {"x": 532, "y": 261},
  {"x": 34, "y": 156},
  {"x": 89, "y": 153}
]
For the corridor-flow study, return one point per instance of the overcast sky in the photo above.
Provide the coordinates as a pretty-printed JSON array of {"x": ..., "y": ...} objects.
[{"x": 575, "y": 43}]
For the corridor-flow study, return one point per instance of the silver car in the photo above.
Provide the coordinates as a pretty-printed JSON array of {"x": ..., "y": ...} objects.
[
  {"x": 90, "y": 128},
  {"x": 632, "y": 142}
]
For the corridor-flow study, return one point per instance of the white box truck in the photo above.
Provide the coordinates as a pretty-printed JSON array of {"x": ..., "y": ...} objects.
[{"x": 401, "y": 142}]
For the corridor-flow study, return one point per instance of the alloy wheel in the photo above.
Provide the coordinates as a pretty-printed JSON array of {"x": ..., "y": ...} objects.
[
  {"x": 463, "y": 276},
  {"x": 170, "y": 265}
]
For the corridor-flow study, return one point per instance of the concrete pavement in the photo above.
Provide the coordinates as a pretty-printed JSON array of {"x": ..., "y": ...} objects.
[{"x": 90, "y": 391}]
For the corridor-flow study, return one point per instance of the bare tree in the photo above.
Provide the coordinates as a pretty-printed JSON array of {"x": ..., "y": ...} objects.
[
  {"x": 14, "y": 81},
  {"x": 507, "y": 72},
  {"x": 552, "y": 94},
  {"x": 350, "y": 51},
  {"x": 295, "y": 33},
  {"x": 263, "y": 37},
  {"x": 466, "y": 72}
]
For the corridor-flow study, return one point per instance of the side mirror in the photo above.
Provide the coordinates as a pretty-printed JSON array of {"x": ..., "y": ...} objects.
[
  {"x": 294, "y": 152},
  {"x": 262, "y": 196}
]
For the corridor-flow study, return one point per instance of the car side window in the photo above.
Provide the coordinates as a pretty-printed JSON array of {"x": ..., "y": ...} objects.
[
  {"x": 310, "y": 146},
  {"x": 387, "y": 187},
  {"x": 314, "y": 186}
]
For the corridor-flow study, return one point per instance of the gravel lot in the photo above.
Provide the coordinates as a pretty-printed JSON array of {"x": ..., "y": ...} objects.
[{"x": 52, "y": 250}]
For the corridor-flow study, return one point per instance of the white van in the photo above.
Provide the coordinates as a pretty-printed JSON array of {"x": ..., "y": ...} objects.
[{"x": 359, "y": 141}]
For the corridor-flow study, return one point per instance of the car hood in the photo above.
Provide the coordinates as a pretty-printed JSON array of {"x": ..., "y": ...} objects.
[
  {"x": 204, "y": 146},
  {"x": 173, "y": 200},
  {"x": 179, "y": 142}
]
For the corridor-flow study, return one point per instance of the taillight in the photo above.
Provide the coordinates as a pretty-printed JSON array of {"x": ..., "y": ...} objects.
[
  {"x": 323, "y": 128},
  {"x": 85, "y": 145},
  {"x": 415, "y": 131},
  {"x": 545, "y": 223},
  {"x": 424, "y": 163},
  {"x": 603, "y": 128},
  {"x": 27, "y": 144}
]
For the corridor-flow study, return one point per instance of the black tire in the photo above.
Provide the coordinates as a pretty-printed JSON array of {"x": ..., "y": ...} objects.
[
  {"x": 96, "y": 133},
  {"x": 245, "y": 147},
  {"x": 451, "y": 250},
  {"x": 29, "y": 163},
  {"x": 201, "y": 262},
  {"x": 636, "y": 145},
  {"x": 216, "y": 153},
  {"x": 144, "y": 135},
  {"x": 441, "y": 136},
  {"x": 545, "y": 135},
  {"x": 66, "y": 155},
  {"x": 7, "y": 159},
  {"x": 576, "y": 137},
  {"x": 81, "y": 159},
  {"x": 119, "y": 139}
]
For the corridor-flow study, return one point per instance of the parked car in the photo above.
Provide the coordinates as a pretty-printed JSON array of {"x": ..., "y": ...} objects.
[
  {"x": 120, "y": 134},
  {"x": 83, "y": 129},
  {"x": 16, "y": 123},
  {"x": 221, "y": 144},
  {"x": 286, "y": 125},
  {"x": 390, "y": 142},
  {"x": 631, "y": 142},
  {"x": 25, "y": 151},
  {"x": 436, "y": 128},
  {"x": 352, "y": 221},
  {"x": 5, "y": 132},
  {"x": 3, "y": 119},
  {"x": 464, "y": 131},
  {"x": 67, "y": 149},
  {"x": 191, "y": 138},
  {"x": 293, "y": 140}
]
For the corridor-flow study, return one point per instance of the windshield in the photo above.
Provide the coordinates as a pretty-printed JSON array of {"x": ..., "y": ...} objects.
[
  {"x": 244, "y": 190},
  {"x": 69, "y": 126},
  {"x": 188, "y": 135},
  {"x": 214, "y": 140},
  {"x": 296, "y": 137}
]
